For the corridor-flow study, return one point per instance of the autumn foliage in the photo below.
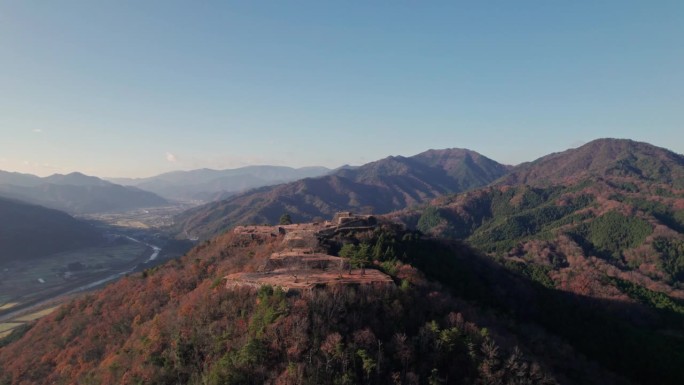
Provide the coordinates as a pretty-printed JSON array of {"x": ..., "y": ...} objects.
[
  {"x": 178, "y": 324},
  {"x": 454, "y": 316}
]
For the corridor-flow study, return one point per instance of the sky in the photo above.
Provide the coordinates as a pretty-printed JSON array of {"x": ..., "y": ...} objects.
[{"x": 136, "y": 88}]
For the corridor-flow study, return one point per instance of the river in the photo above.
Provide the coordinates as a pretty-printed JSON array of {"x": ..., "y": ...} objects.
[
  {"x": 23, "y": 310},
  {"x": 153, "y": 256}
]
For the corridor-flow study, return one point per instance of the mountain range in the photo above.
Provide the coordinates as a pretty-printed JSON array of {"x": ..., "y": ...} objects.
[
  {"x": 603, "y": 221},
  {"x": 389, "y": 184},
  {"x": 75, "y": 193},
  {"x": 565, "y": 270},
  {"x": 207, "y": 184}
]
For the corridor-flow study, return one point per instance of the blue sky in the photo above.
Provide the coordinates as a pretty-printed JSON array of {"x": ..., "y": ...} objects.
[{"x": 135, "y": 88}]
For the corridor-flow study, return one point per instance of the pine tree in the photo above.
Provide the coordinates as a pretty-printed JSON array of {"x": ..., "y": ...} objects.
[{"x": 285, "y": 219}]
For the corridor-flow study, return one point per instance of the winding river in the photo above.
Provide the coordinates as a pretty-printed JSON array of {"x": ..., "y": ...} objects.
[
  {"x": 153, "y": 256},
  {"x": 155, "y": 253}
]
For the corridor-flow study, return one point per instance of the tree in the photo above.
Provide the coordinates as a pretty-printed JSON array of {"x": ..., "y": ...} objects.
[
  {"x": 367, "y": 363},
  {"x": 285, "y": 219},
  {"x": 362, "y": 257},
  {"x": 359, "y": 256},
  {"x": 349, "y": 250}
]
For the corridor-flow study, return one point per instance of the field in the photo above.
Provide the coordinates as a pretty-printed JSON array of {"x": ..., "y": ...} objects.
[
  {"x": 26, "y": 282},
  {"x": 4, "y": 334},
  {"x": 8, "y": 305},
  {"x": 7, "y": 327},
  {"x": 34, "y": 316},
  {"x": 148, "y": 218}
]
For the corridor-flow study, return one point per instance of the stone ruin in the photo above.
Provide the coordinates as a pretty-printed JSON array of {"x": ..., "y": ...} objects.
[
  {"x": 296, "y": 233},
  {"x": 299, "y": 267}
]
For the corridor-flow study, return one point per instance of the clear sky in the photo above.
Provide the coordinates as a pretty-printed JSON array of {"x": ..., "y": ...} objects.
[{"x": 135, "y": 88}]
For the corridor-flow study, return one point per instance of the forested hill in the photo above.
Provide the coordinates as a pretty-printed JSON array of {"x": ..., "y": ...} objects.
[
  {"x": 602, "y": 158},
  {"x": 610, "y": 212},
  {"x": 378, "y": 187},
  {"x": 614, "y": 238},
  {"x": 451, "y": 316},
  {"x": 29, "y": 231}
]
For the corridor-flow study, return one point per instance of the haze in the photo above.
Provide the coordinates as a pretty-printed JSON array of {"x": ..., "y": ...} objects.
[{"x": 134, "y": 88}]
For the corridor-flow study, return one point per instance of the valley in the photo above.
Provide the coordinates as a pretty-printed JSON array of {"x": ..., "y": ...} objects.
[
  {"x": 47, "y": 254},
  {"x": 32, "y": 289},
  {"x": 118, "y": 244},
  {"x": 52, "y": 279},
  {"x": 144, "y": 219}
]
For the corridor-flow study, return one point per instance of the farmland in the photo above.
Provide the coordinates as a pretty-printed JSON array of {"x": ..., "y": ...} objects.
[
  {"x": 23, "y": 283},
  {"x": 7, "y": 327}
]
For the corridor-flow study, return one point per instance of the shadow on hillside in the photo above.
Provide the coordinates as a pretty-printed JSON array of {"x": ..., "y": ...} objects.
[{"x": 622, "y": 336}]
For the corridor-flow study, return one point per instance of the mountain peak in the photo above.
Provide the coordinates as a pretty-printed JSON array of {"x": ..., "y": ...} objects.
[
  {"x": 392, "y": 183},
  {"x": 606, "y": 157},
  {"x": 75, "y": 179}
]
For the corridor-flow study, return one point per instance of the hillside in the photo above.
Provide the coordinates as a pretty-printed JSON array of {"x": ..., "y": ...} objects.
[
  {"x": 75, "y": 193},
  {"x": 28, "y": 231},
  {"x": 451, "y": 316},
  {"x": 602, "y": 158},
  {"x": 611, "y": 211},
  {"x": 614, "y": 227},
  {"x": 379, "y": 187},
  {"x": 614, "y": 238},
  {"x": 604, "y": 221},
  {"x": 206, "y": 184}
]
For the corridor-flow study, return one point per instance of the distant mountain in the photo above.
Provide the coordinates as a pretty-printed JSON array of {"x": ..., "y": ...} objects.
[
  {"x": 602, "y": 158},
  {"x": 75, "y": 193},
  {"x": 19, "y": 179},
  {"x": 389, "y": 184},
  {"x": 30, "y": 231},
  {"x": 76, "y": 179},
  {"x": 206, "y": 184}
]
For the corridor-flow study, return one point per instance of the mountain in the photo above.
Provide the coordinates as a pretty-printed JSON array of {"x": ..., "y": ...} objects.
[
  {"x": 29, "y": 231},
  {"x": 206, "y": 184},
  {"x": 604, "y": 221},
  {"x": 611, "y": 210},
  {"x": 19, "y": 179},
  {"x": 75, "y": 193},
  {"x": 447, "y": 315},
  {"x": 378, "y": 187},
  {"x": 75, "y": 179},
  {"x": 577, "y": 280},
  {"x": 602, "y": 158}
]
